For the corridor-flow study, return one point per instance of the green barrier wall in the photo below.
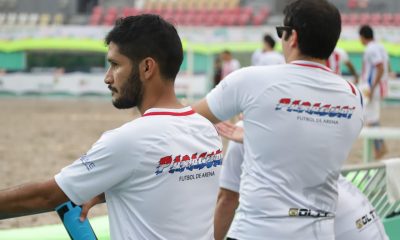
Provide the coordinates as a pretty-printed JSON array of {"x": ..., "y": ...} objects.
[
  {"x": 392, "y": 227},
  {"x": 12, "y": 60},
  {"x": 12, "y": 55}
]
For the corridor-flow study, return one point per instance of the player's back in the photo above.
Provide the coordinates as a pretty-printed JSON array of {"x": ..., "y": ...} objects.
[
  {"x": 171, "y": 193},
  {"x": 300, "y": 121}
]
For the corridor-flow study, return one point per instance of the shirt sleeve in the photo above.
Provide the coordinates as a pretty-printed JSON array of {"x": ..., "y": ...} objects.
[
  {"x": 230, "y": 96},
  {"x": 232, "y": 167},
  {"x": 375, "y": 57},
  {"x": 97, "y": 171}
]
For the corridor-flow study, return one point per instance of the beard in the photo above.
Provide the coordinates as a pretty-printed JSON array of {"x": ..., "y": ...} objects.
[{"x": 131, "y": 93}]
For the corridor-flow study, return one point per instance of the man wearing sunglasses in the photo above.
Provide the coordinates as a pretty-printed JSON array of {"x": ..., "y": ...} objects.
[{"x": 300, "y": 121}]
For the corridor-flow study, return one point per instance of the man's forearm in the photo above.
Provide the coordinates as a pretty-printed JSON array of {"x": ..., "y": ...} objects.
[
  {"x": 352, "y": 71},
  {"x": 378, "y": 77},
  {"x": 30, "y": 199},
  {"x": 224, "y": 212}
]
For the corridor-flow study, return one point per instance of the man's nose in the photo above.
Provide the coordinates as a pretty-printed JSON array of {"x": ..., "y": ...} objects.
[{"x": 108, "y": 78}]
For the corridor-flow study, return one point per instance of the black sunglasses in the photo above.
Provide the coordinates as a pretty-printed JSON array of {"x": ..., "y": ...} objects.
[{"x": 280, "y": 29}]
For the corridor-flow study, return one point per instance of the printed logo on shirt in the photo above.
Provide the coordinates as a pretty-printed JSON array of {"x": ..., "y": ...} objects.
[
  {"x": 365, "y": 220},
  {"x": 181, "y": 163},
  {"x": 315, "y": 109},
  {"x": 303, "y": 212},
  {"x": 86, "y": 161}
]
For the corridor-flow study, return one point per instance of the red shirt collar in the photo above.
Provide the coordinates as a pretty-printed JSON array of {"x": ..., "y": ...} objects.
[{"x": 186, "y": 111}]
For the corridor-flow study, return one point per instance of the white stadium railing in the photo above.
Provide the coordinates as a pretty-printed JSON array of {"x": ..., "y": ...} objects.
[{"x": 371, "y": 180}]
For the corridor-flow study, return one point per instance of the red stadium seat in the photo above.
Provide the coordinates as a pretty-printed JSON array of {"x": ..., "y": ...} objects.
[
  {"x": 364, "y": 18},
  {"x": 261, "y": 16},
  {"x": 345, "y": 18},
  {"x": 130, "y": 11},
  {"x": 396, "y": 19},
  {"x": 111, "y": 16},
  {"x": 97, "y": 10},
  {"x": 354, "y": 19},
  {"x": 352, "y": 4},
  {"x": 96, "y": 16},
  {"x": 376, "y": 19},
  {"x": 387, "y": 19}
]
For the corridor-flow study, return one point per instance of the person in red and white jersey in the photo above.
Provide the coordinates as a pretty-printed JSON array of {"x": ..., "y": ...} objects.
[
  {"x": 374, "y": 82},
  {"x": 229, "y": 64},
  {"x": 267, "y": 55},
  {"x": 300, "y": 121},
  {"x": 339, "y": 57},
  {"x": 159, "y": 173},
  {"x": 355, "y": 217}
]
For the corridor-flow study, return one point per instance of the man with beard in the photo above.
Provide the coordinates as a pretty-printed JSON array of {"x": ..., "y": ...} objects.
[{"x": 159, "y": 173}]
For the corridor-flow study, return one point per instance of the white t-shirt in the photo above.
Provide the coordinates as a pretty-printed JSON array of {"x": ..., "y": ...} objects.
[
  {"x": 355, "y": 216},
  {"x": 300, "y": 121},
  {"x": 337, "y": 58},
  {"x": 256, "y": 56},
  {"x": 270, "y": 58},
  {"x": 375, "y": 54},
  {"x": 159, "y": 174},
  {"x": 229, "y": 67}
]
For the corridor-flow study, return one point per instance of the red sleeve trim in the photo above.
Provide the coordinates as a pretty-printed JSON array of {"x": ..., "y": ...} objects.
[{"x": 353, "y": 90}]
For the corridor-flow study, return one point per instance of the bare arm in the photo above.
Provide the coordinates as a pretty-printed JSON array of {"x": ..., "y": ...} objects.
[
  {"x": 30, "y": 199},
  {"x": 352, "y": 71},
  {"x": 202, "y": 108},
  {"x": 378, "y": 78},
  {"x": 227, "y": 203}
]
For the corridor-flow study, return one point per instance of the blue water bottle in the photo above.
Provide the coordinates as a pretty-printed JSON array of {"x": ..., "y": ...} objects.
[{"x": 77, "y": 230}]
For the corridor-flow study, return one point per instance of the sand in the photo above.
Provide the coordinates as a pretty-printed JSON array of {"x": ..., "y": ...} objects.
[{"x": 38, "y": 137}]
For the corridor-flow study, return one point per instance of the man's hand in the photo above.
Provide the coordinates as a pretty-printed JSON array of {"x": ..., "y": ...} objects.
[
  {"x": 230, "y": 131},
  {"x": 88, "y": 205}
]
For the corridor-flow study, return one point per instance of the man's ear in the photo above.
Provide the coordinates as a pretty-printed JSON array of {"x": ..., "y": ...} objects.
[
  {"x": 294, "y": 39},
  {"x": 148, "y": 67}
]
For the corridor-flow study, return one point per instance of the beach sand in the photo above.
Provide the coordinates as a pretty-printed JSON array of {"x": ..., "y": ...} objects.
[{"x": 38, "y": 137}]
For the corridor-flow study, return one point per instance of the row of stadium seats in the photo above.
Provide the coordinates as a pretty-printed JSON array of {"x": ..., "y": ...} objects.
[
  {"x": 190, "y": 4},
  {"x": 384, "y": 19},
  {"x": 192, "y": 17},
  {"x": 32, "y": 19}
]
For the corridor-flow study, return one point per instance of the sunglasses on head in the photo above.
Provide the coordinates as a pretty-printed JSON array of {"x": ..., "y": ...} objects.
[{"x": 280, "y": 29}]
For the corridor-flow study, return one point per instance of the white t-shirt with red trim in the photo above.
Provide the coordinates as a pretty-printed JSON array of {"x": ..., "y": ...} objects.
[
  {"x": 300, "y": 121},
  {"x": 375, "y": 54},
  {"x": 159, "y": 174},
  {"x": 337, "y": 58},
  {"x": 355, "y": 216}
]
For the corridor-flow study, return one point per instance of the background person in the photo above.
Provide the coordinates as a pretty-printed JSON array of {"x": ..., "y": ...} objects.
[
  {"x": 374, "y": 82},
  {"x": 339, "y": 57},
  {"x": 267, "y": 55},
  {"x": 229, "y": 64}
]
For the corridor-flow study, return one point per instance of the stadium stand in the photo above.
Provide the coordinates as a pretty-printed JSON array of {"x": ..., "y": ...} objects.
[{"x": 188, "y": 12}]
